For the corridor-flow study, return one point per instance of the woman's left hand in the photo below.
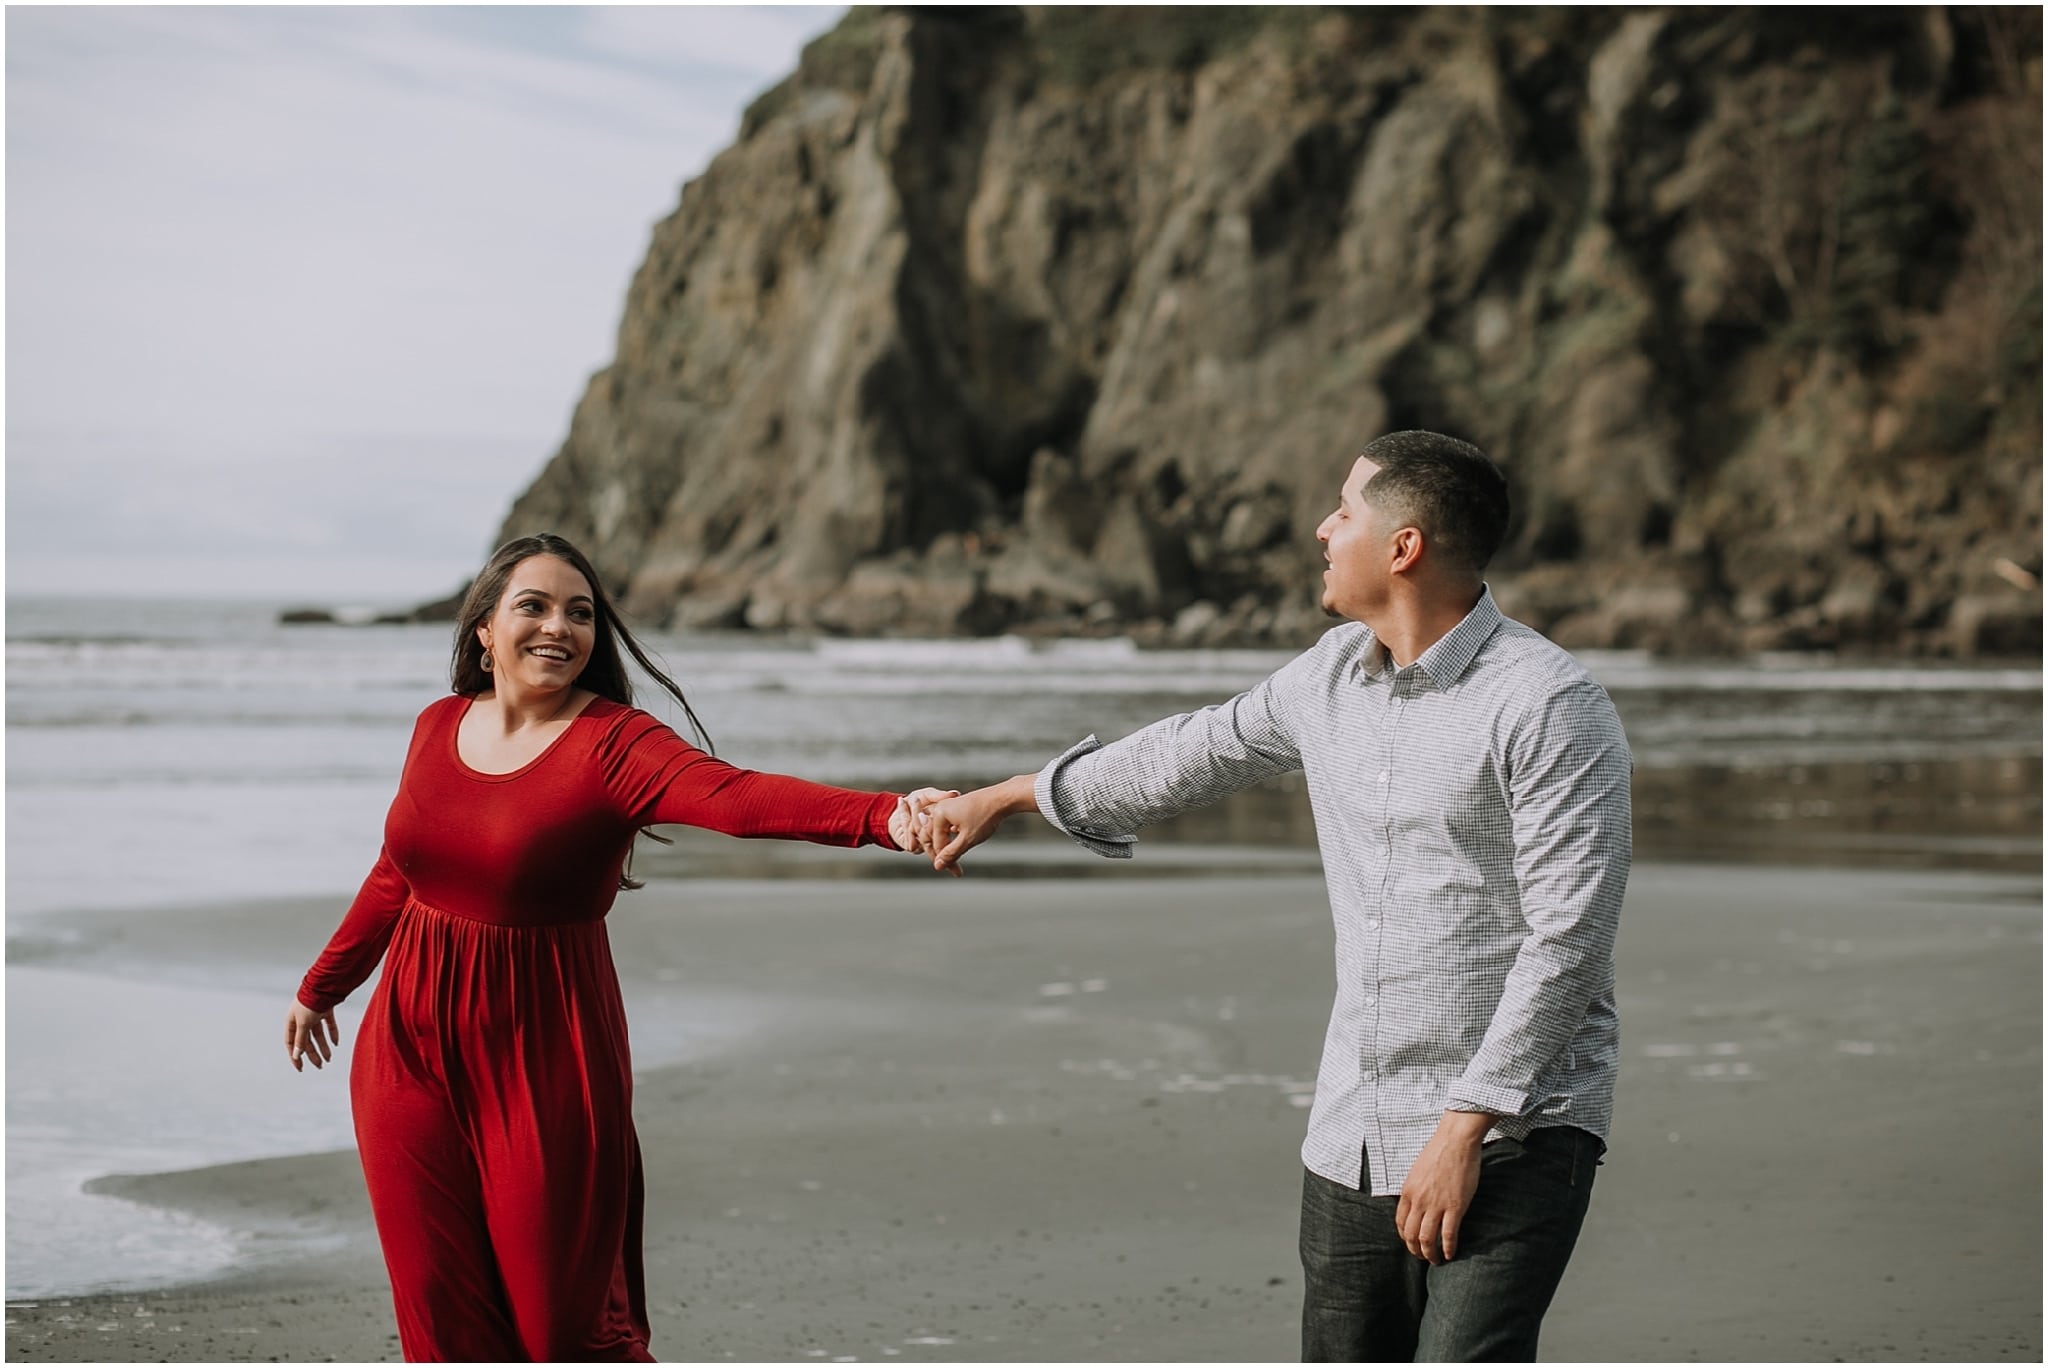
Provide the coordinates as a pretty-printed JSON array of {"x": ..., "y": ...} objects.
[{"x": 905, "y": 828}]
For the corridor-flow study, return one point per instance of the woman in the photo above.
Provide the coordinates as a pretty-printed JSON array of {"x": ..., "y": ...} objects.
[{"x": 491, "y": 1086}]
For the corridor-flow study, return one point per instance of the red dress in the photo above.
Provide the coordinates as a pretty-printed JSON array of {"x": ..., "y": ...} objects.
[{"x": 491, "y": 1083}]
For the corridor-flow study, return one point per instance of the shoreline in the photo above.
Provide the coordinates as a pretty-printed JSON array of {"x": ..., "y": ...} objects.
[{"x": 1060, "y": 1119}]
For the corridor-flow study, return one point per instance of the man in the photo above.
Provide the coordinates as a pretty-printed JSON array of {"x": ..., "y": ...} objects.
[{"x": 1470, "y": 786}]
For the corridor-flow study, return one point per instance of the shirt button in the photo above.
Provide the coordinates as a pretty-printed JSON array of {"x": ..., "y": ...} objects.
[
  {"x": 1384, "y": 774},
  {"x": 1370, "y": 999},
  {"x": 1372, "y": 923}
]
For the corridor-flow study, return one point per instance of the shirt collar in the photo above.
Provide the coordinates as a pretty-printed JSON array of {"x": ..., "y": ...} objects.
[{"x": 1446, "y": 661}]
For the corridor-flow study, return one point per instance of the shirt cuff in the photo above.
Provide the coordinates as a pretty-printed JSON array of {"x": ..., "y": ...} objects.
[
  {"x": 1466, "y": 1095},
  {"x": 1503, "y": 1127},
  {"x": 1108, "y": 844}
]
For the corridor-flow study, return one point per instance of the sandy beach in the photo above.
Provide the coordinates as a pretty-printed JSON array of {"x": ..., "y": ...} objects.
[{"x": 1059, "y": 1119}]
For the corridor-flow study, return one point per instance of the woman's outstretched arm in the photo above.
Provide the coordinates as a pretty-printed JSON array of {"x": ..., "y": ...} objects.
[{"x": 654, "y": 776}]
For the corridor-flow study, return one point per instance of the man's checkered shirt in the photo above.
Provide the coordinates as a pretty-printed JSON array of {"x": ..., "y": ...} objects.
[{"x": 1473, "y": 814}]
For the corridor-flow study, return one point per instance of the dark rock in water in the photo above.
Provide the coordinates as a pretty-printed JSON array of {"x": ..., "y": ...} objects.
[
  {"x": 307, "y": 617},
  {"x": 1071, "y": 319},
  {"x": 439, "y": 610}
]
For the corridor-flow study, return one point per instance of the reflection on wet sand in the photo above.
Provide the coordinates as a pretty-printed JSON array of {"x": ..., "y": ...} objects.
[{"x": 1980, "y": 812}]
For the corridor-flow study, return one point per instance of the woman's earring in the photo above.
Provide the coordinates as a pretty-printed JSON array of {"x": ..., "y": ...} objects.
[{"x": 487, "y": 660}]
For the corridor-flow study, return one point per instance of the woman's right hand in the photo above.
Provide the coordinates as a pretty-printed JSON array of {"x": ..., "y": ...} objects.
[
  {"x": 905, "y": 828},
  {"x": 310, "y": 1035}
]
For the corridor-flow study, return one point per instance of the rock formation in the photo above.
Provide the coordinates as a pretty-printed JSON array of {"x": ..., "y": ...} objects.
[{"x": 1070, "y": 320}]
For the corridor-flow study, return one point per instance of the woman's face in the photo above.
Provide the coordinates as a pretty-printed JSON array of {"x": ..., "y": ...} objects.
[{"x": 544, "y": 628}]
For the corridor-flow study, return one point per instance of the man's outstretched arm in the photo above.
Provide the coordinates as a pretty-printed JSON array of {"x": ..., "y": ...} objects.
[{"x": 1100, "y": 794}]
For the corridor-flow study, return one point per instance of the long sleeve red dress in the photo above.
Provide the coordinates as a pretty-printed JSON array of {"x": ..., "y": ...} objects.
[{"x": 491, "y": 1083}]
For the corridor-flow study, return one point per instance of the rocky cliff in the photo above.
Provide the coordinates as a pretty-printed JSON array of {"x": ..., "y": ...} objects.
[{"x": 1070, "y": 320}]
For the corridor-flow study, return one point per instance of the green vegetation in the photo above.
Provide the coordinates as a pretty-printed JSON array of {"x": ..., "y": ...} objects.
[
  {"x": 1947, "y": 422},
  {"x": 843, "y": 59},
  {"x": 2019, "y": 350},
  {"x": 1826, "y": 203},
  {"x": 1886, "y": 221},
  {"x": 1075, "y": 46},
  {"x": 1080, "y": 46}
]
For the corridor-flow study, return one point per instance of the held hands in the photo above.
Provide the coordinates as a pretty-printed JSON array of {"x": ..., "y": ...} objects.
[
  {"x": 304, "y": 1038},
  {"x": 1439, "y": 1188},
  {"x": 954, "y": 825},
  {"x": 904, "y": 827}
]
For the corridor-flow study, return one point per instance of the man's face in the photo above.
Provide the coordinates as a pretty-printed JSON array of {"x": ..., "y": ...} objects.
[{"x": 1356, "y": 580}]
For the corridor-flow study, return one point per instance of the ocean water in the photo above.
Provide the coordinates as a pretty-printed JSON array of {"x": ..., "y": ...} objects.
[{"x": 169, "y": 759}]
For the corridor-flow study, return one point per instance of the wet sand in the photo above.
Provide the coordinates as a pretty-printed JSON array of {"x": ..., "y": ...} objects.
[{"x": 1059, "y": 1119}]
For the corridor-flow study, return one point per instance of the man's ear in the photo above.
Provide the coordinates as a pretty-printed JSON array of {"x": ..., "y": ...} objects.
[{"x": 1409, "y": 547}]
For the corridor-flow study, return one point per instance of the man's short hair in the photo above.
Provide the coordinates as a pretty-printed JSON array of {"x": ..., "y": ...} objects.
[{"x": 1445, "y": 487}]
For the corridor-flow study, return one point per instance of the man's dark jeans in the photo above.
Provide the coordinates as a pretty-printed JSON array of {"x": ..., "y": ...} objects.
[{"x": 1369, "y": 1300}]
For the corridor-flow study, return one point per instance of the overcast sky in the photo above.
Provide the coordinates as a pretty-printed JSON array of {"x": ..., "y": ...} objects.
[{"x": 298, "y": 300}]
